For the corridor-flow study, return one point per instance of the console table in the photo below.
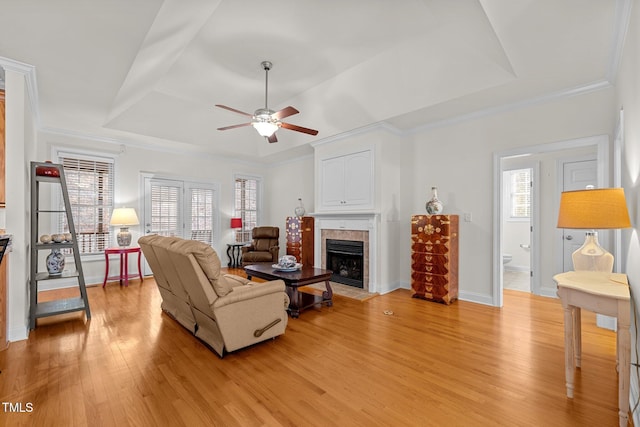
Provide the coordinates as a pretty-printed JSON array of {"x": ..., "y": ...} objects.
[
  {"x": 603, "y": 293},
  {"x": 124, "y": 265}
]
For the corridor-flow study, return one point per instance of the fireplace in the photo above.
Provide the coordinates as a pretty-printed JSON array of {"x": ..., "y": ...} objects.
[
  {"x": 357, "y": 227},
  {"x": 346, "y": 258}
]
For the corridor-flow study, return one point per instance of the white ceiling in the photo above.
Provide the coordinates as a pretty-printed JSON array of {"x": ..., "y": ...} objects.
[{"x": 150, "y": 71}]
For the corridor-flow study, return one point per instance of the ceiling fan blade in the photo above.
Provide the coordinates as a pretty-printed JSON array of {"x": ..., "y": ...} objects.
[
  {"x": 298, "y": 128},
  {"x": 234, "y": 110},
  {"x": 285, "y": 112},
  {"x": 273, "y": 138},
  {"x": 235, "y": 126}
]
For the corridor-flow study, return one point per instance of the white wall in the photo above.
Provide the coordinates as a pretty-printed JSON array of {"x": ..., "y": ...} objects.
[
  {"x": 628, "y": 97},
  {"x": 20, "y": 146},
  {"x": 288, "y": 181},
  {"x": 458, "y": 160}
]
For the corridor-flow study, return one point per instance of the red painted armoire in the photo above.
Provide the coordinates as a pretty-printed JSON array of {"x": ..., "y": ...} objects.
[
  {"x": 300, "y": 239},
  {"x": 434, "y": 257}
]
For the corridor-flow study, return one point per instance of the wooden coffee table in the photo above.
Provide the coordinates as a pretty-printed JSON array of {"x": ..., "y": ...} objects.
[{"x": 293, "y": 280}]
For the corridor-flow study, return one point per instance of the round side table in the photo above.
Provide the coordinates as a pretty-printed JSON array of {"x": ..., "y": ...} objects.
[
  {"x": 235, "y": 254},
  {"x": 124, "y": 265}
]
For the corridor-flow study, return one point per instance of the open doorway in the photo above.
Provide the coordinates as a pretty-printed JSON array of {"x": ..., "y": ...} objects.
[
  {"x": 546, "y": 244},
  {"x": 517, "y": 222}
]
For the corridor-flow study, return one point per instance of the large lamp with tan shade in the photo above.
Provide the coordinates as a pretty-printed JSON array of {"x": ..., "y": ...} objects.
[
  {"x": 124, "y": 217},
  {"x": 592, "y": 209}
]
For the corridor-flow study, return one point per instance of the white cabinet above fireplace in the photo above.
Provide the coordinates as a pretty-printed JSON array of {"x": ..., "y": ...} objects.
[{"x": 346, "y": 182}]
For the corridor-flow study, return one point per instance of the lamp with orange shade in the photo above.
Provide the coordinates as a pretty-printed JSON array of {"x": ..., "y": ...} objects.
[{"x": 591, "y": 209}]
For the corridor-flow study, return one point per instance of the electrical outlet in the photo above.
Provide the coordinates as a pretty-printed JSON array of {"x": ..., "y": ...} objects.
[{"x": 467, "y": 217}]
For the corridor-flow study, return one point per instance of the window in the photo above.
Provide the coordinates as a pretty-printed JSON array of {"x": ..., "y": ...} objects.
[
  {"x": 181, "y": 208},
  {"x": 90, "y": 186},
  {"x": 202, "y": 214},
  {"x": 246, "y": 205},
  {"x": 520, "y": 194}
]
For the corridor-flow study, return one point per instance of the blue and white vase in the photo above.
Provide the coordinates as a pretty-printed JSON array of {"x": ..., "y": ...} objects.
[{"x": 55, "y": 262}]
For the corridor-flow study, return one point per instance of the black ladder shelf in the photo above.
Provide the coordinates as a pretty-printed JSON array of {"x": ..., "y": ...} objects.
[{"x": 60, "y": 306}]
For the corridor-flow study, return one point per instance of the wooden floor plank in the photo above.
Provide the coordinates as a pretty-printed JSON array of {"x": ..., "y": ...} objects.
[{"x": 425, "y": 364}]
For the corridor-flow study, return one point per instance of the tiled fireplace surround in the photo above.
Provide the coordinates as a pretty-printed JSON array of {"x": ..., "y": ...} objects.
[{"x": 357, "y": 227}]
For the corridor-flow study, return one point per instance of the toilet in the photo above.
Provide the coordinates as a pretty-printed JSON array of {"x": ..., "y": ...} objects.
[{"x": 506, "y": 258}]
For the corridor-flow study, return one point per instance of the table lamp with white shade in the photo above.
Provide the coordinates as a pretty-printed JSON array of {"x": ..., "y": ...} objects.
[
  {"x": 124, "y": 217},
  {"x": 592, "y": 209}
]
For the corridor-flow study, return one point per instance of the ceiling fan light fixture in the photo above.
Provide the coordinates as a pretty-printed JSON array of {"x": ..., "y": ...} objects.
[
  {"x": 265, "y": 128},
  {"x": 267, "y": 121}
]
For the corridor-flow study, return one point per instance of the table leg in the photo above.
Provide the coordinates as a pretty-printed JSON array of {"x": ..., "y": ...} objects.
[
  {"x": 121, "y": 267},
  {"x": 327, "y": 296},
  {"x": 623, "y": 352},
  {"x": 106, "y": 273},
  {"x": 294, "y": 303},
  {"x": 577, "y": 334},
  {"x": 126, "y": 269},
  {"x": 139, "y": 267},
  {"x": 569, "y": 357},
  {"x": 237, "y": 256},
  {"x": 229, "y": 252}
]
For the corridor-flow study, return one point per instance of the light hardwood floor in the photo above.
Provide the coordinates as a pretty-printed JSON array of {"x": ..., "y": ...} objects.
[{"x": 427, "y": 364}]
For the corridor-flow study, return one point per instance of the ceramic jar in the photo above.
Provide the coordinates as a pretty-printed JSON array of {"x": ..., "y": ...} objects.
[
  {"x": 300, "y": 211},
  {"x": 434, "y": 205},
  {"x": 55, "y": 262}
]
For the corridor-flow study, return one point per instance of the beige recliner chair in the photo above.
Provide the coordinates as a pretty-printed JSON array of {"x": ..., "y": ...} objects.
[
  {"x": 225, "y": 311},
  {"x": 264, "y": 246}
]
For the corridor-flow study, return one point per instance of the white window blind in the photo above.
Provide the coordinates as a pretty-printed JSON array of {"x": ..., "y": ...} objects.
[
  {"x": 246, "y": 206},
  {"x": 520, "y": 194},
  {"x": 165, "y": 210},
  {"x": 202, "y": 214},
  {"x": 90, "y": 186}
]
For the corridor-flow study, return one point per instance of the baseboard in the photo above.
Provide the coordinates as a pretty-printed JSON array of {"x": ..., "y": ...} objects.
[
  {"x": 71, "y": 282},
  {"x": 475, "y": 297},
  {"x": 517, "y": 268},
  {"x": 18, "y": 334},
  {"x": 463, "y": 295}
]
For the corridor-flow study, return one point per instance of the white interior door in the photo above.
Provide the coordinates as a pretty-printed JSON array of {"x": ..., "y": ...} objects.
[{"x": 577, "y": 175}]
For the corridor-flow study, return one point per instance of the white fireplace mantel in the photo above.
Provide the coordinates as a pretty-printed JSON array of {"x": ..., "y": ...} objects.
[{"x": 366, "y": 221}]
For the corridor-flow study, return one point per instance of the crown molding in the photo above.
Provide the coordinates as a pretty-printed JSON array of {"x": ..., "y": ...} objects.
[
  {"x": 359, "y": 131},
  {"x": 143, "y": 146},
  {"x": 549, "y": 97},
  {"x": 29, "y": 72},
  {"x": 621, "y": 26}
]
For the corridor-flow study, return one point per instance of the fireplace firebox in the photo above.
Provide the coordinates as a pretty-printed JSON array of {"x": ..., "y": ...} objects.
[{"x": 345, "y": 258}]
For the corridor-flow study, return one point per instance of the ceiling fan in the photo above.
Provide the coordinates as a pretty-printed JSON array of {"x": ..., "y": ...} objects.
[{"x": 267, "y": 121}]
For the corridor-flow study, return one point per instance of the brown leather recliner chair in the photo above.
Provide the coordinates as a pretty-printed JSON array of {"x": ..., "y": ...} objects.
[{"x": 264, "y": 246}]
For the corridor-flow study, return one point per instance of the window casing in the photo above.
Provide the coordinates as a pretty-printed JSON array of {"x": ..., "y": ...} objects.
[
  {"x": 247, "y": 205},
  {"x": 90, "y": 184}
]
